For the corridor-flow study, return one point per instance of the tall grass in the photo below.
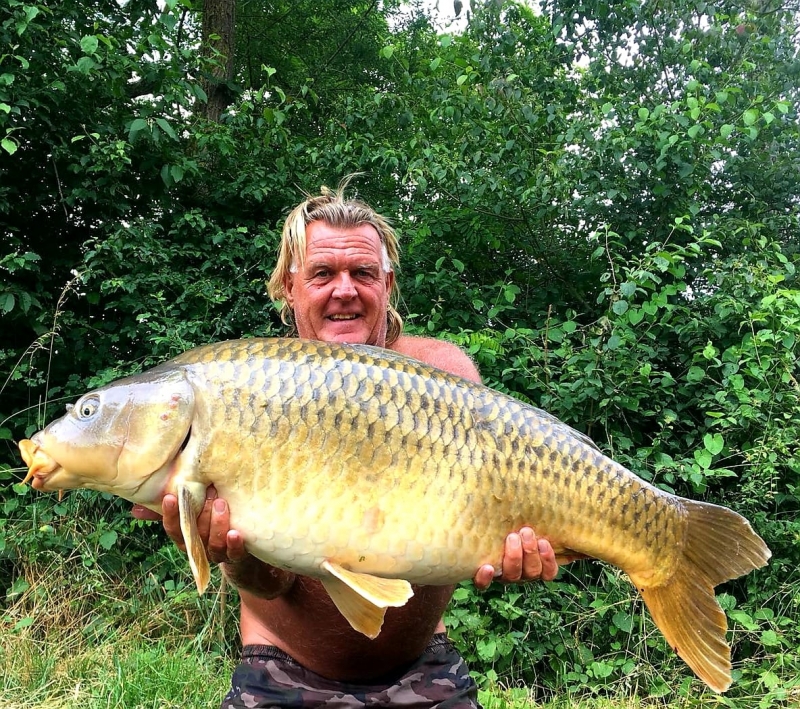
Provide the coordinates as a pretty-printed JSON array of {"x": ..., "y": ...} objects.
[
  {"x": 104, "y": 643},
  {"x": 116, "y": 642}
]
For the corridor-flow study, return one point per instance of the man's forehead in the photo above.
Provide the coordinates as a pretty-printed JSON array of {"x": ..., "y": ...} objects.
[{"x": 358, "y": 245}]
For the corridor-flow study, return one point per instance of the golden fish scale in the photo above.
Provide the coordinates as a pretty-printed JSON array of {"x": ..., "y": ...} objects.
[{"x": 420, "y": 474}]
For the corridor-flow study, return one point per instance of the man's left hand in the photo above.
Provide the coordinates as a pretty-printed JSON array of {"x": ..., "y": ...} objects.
[{"x": 525, "y": 558}]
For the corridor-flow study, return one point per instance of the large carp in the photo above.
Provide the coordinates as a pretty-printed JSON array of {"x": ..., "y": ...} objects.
[{"x": 368, "y": 470}]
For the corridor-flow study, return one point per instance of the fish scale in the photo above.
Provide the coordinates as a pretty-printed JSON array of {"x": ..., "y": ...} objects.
[{"x": 369, "y": 470}]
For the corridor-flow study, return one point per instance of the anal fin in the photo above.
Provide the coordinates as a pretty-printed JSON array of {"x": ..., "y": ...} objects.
[
  {"x": 198, "y": 561},
  {"x": 362, "y": 598}
]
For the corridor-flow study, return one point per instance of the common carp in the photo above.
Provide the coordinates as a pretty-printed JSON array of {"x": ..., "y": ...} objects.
[{"x": 371, "y": 471}]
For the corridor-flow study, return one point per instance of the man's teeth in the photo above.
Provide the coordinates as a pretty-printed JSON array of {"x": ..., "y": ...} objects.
[{"x": 343, "y": 317}]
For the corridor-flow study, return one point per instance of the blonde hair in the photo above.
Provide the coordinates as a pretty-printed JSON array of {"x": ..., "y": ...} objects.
[{"x": 331, "y": 207}]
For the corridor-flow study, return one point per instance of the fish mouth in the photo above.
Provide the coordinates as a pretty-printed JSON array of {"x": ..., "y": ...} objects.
[{"x": 40, "y": 464}]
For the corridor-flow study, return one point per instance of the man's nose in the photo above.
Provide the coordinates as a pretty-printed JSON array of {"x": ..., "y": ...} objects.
[{"x": 345, "y": 290}]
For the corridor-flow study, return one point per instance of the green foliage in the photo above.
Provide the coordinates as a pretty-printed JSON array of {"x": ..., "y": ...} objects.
[
  {"x": 599, "y": 203},
  {"x": 695, "y": 391}
]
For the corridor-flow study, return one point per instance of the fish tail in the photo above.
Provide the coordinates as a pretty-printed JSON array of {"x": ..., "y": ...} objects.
[{"x": 720, "y": 545}]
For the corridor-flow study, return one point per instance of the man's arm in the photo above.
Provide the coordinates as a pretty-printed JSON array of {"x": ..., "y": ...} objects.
[{"x": 525, "y": 557}]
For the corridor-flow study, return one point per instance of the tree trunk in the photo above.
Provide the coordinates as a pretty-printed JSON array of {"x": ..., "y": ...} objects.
[{"x": 219, "y": 26}]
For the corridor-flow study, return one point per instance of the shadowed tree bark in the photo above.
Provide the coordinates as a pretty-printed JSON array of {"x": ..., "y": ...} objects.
[{"x": 219, "y": 34}]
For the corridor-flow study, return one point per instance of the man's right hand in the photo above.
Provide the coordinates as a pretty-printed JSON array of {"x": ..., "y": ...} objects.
[{"x": 222, "y": 544}]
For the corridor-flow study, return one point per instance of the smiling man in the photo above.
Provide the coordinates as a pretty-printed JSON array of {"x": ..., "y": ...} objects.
[{"x": 335, "y": 280}]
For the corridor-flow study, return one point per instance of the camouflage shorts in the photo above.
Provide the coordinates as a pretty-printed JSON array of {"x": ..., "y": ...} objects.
[{"x": 268, "y": 677}]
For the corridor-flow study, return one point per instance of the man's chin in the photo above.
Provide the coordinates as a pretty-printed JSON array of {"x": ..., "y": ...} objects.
[{"x": 350, "y": 332}]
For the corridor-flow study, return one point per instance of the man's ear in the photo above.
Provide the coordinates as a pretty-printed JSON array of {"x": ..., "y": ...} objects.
[
  {"x": 288, "y": 284},
  {"x": 389, "y": 281}
]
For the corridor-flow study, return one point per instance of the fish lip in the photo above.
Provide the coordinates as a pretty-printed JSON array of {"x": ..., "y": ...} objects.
[{"x": 40, "y": 464}]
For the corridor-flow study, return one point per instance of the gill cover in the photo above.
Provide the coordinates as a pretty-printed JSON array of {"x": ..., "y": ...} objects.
[{"x": 158, "y": 411}]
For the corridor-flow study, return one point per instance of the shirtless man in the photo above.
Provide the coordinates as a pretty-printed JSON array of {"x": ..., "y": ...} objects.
[{"x": 335, "y": 279}]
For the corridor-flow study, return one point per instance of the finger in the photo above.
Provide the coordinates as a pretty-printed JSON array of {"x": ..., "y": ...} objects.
[
  {"x": 219, "y": 526},
  {"x": 172, "y": 521},
  {"x": 484, "y": 577},
  {"x": 236, "y": 550},
  {"x": 531, "y": 561},
  {"x": 548, "y": 560},
  {"x": 204, "y": 518},
  {"x": 512, "y": 559},
  {"x": 142, "y": 512}
]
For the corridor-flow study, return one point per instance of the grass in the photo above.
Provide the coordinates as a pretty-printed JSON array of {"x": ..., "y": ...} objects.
[
  {"x": 128, "y": 674},
  {"x": 98, "y": 645}
]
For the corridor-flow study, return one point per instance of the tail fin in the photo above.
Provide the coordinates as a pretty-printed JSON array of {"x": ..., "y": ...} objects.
[{"x": 720, "y": 545}]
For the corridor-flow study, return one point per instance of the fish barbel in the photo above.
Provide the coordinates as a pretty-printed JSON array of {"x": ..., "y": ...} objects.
[{"x": 371, "y": 471}]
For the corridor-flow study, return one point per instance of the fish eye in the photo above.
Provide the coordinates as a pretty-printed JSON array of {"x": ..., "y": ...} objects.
[{"x": 87, "y": 407}]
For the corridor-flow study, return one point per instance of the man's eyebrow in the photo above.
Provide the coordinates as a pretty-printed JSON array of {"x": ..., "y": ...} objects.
[{"x": 368, "y": 266}]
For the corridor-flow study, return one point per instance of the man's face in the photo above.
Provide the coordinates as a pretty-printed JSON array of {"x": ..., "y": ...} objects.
[{"x": 341, "y": 294}]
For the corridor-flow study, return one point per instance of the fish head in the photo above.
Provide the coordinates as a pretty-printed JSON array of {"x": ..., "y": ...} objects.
[{"x": 114, "y": 439}]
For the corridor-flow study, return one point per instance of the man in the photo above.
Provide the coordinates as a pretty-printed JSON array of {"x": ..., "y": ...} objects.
[{"x": 335, "y": 279}]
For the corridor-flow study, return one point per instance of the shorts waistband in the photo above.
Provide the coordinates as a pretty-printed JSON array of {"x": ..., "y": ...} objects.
[{"x": 249, "y": 652}]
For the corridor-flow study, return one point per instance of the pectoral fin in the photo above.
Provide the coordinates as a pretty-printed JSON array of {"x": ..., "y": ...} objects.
[
  {"x": 191, "y": 536},
  {"x": 363, "y": 598}
]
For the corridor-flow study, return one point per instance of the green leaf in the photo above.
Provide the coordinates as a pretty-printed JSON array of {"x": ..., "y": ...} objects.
[
  {"x": 713, "y": 443},
  {"x": 108, "y": 539},
  {"x": 137, "y": 125},
  {"x": 623, "y": 621},
  {"x": 176, "y": 173},
  {"x": 703, "y": 458},
  {"x": 9, "y": 146},
  {"x": 7, "y": 303},
  {"x": 23, "y": 623},
  {"x": 620, "y": 307},
  {"x": 750, "y": 116},
  {"x": 695, "y": 374},
  {"x": 85, "y": 65},
  {"x": 89, "y": 44},
  {"x": 770, "y": 638},
  {"x": 167, "y": 128},
  {"x": 726, "y": 130},
  {"x": 635, "y": 316},
  {"x": 19, "y": 586}
]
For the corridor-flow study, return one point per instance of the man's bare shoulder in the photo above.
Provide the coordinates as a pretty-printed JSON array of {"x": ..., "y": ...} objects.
[{"x": 438, "y": 353}]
